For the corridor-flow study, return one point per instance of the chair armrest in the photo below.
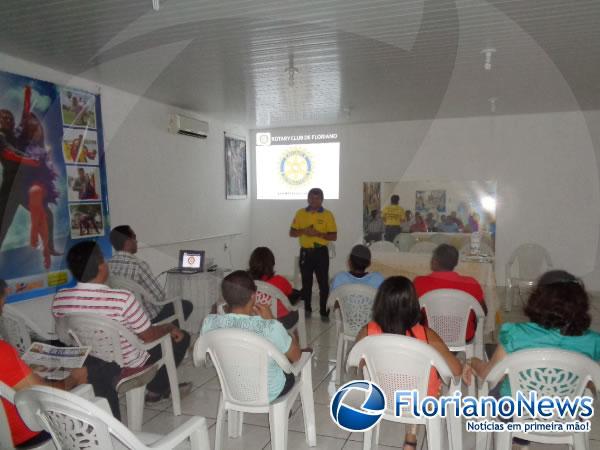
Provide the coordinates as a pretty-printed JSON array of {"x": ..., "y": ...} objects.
[
  {"x": 180, "y": 434},
  {"x": 84, "y": 391},
  {"x": 166, "y": 320},
  {"x": 164, "y": 301},
  {"x": 149, "y": 345},
  {"x": 299, "y": 365}
]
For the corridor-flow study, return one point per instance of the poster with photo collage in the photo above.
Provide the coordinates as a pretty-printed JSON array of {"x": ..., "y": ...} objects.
[{"x": 52, "y": 182}]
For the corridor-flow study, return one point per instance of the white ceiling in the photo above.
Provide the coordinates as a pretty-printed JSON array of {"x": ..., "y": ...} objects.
[{"x": 357, "y": 60}]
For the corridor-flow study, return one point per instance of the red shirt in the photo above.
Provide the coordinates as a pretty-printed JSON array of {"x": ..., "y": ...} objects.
[
  {"x": 452, "y": 280},
  {"x": 284, "y": 286},
  {"x": 12, "y": 371}
]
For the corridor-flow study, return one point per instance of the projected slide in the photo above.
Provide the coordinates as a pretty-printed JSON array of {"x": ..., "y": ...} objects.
[{"x": 287, "y": 166}]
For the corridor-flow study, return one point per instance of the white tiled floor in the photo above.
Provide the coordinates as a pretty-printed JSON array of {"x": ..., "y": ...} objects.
[{"x": 204, "y": 398}]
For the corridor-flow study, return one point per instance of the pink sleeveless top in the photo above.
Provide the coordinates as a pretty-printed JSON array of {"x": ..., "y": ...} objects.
[{"x": 418, "y": 332}]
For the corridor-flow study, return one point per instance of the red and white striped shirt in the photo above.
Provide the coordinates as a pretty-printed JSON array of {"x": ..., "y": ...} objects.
[{"x": 116, "y": 304}]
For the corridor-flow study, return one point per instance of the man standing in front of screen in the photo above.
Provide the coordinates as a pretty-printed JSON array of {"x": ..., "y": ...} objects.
[{"x": 314, "y": 226}]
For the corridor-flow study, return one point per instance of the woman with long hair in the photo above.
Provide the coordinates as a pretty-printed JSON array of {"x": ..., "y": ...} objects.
[{"x": 396, "y": 310}]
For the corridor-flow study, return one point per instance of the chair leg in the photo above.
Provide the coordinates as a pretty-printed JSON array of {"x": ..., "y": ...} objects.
[
  {"x": 502, "y": 440},
  {"x": 169, "y": 362},
  {"x": 135, "y": 407},
  {"x": 483, "y": 441},
  {"x": 368, "y": 438},
  {"x": 454, "y": 428},
  {"x": 338, "y": 361},
  {"x": 508, "y": 299},
  {"x": 581, "y": 441},
  {"x": 302, "y": 328},
  {"x": 219, "y": 426},
  {"x": 308, "y": 406},
  {"x": 200, "y": 438},
  {"x": 278, "y": 423},
  {"x": 434, "y": 433},
  {"x": 234, "y": 423}
]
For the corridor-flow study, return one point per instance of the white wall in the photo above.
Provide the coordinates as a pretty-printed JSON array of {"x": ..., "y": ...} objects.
[
  {"x": 545, "y": 166},
  {"x": 170, "y": 188}
]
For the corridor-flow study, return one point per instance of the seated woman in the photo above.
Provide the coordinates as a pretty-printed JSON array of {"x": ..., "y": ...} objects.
[
  {"x": 558, "y": 309},
  {"x": 239, "y": 291},
  {"x": 396, "y": 310},
  {"x": 262, "y": 263}
]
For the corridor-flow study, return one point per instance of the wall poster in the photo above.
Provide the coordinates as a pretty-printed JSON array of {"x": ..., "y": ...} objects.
[
  {"x": 52, "y": 182},
  {"x": 236, "y": 169}
]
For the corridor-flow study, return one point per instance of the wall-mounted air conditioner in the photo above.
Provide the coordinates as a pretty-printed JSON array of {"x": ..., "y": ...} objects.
[{"x": 187, "y": 126}]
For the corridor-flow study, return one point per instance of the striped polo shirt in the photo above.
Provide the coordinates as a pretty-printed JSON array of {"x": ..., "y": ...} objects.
[{"x": 116, "y": 304}]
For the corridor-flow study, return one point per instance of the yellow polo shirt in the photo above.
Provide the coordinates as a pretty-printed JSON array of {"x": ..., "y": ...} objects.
[
  {"x": 322, "y": 220},
  {"x": 393, "y": 215}
]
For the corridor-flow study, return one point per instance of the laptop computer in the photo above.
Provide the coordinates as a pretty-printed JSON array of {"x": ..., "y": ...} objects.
[{"x": 190, "y": 261}]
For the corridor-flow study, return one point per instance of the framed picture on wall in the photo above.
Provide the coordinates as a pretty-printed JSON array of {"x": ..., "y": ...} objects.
[{"x": 236, "y": 169}]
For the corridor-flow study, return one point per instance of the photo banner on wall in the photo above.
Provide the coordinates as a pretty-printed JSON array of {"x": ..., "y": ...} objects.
[{"x": 52, "y": 182}]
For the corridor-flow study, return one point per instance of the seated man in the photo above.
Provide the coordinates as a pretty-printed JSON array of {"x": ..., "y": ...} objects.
[
  {"x": 358, "y": 262},
  {"x": 92, "y": 296},
  {"x": 443, "y": 262},
  {"x": 125, "y": 264},
  {"x": 239, "y": 291},
  {"x": 447, "y": 225},
  {"x": 17, "y": 375}
]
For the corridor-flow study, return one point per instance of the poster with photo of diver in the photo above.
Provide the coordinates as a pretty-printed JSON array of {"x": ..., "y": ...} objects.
[
  {"x": 35, "y": 220},
  {"x": 83, "y": 183},
  {"x": 78, "y": 108}
]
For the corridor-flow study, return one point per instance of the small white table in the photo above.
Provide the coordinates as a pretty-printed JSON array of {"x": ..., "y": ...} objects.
[{"x": 202, "y": 289}]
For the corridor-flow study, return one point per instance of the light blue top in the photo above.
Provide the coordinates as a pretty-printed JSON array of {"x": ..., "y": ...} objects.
[
  {"x": 373, "y": 279},
  {"x": 272, "y": 330},
  {"x": 524, "y": 336}
]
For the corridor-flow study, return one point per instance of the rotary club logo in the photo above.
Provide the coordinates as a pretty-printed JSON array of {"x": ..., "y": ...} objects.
[{"x": 296, "y": 166}]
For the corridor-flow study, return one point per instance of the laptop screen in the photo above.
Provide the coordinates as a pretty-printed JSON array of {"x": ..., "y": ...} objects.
[{"x": 191, "y": 260}]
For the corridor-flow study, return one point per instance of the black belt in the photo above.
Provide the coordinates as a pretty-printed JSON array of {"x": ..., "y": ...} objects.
[{"x": 312, "y": 249}]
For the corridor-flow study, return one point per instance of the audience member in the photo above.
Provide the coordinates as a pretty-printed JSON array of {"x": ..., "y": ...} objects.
[
  {"x": 358, "y": 262},
  {"x": 459, "y": 223},
  {"x": 91, "y": 295},
  {"x": 447, "y": 225},
  {"x": 125, "y": 264},
  {"x": 239, "y": 292},
  {"x": 375, "y": 227},
  {"x": 443, "y": 262},
  {"x": 474, "y": 222},
  {"x": 558, "y": 309},
  {"x": 18, "y": 376},
  {"x": 408, "y": 221},
  {"x": 393, "y": 216},
  {"x": 261, "y": 267},
  {"x": 419, "y": 226},
  {"x": 396, "y": 311},
  {"x": 430, "y": 222}
]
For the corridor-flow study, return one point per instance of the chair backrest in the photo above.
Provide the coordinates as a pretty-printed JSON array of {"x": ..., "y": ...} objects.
[
  {"x": 397, "y": 362},
  {"x": 14, "y": 330},
  {"x": 241, "y": 359},
  {"x": 72, "y": 421},
  {"x": 383, "y": 246},
  {"x": 267, "y": 294},
  {"x": 404, "y": 241},
  {"x": 8, "y": 394},
  {"x": 102, "y": 334},
  {"x": 549, "y": 372},
  {"x": 447, "y": 313},
  {"x": 531, "y": 259},
  {"x": 423, "y": 247},
  {"x": 484, "y": 249},
  {"x": 356, "y": 306},
  {"x": 117, "y": 282}
]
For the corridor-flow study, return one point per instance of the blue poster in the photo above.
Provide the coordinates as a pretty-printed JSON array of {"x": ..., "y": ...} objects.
[{"x": 52, "y": 182}]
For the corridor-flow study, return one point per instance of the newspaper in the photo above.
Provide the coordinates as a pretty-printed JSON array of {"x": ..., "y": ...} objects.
[{"x": 54, "y": 363}]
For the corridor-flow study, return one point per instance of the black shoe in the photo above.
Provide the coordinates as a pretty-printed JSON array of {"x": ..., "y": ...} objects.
[
  {"x": 307, "y": 312},
  {"x": 325, "y": 317}
]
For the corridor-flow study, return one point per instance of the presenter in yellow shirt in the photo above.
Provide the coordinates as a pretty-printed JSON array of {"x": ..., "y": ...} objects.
[
  {"x": 393, "y": 216},
  {"x": 314, "y": 226}
]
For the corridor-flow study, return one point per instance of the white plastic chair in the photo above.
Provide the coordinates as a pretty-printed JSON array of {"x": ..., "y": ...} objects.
[
  {"x": 383, "y": 246},
  {"x": 549, "y": 372},
  {"x": 397, "y": 362},
  {"x": 104, "y": 335},
  {"x": 241, "y": 359},
  {"x": 448, "y": 313},
  {"x": 484, "y": 249},
  {"x": 355, "y": 309},
  {"x": 75, "y": 423},
  {"x": 267, "y": 294},
  {"x": 532, "y": 260},
  {"x": 404, "y": 241},
  {"x": 423, "y": 247},
  {"x": 143, "y": 296},
  {"x": 18, "y": 329}
]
